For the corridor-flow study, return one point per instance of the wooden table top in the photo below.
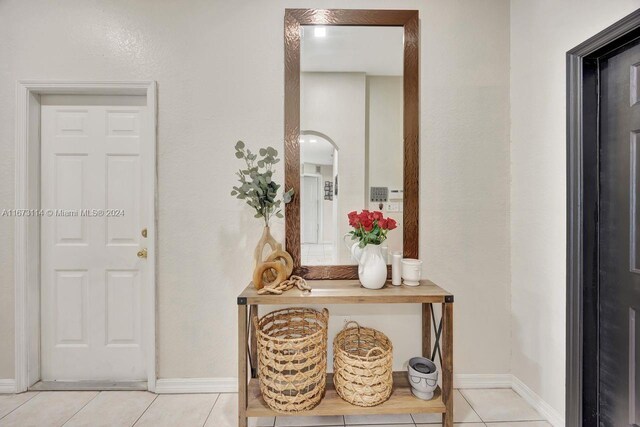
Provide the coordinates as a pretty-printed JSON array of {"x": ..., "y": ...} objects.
[{"x": 349, "y": 292}]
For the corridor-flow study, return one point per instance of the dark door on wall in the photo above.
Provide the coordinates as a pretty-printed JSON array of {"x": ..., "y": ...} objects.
[{"x": 619, "y": 238}]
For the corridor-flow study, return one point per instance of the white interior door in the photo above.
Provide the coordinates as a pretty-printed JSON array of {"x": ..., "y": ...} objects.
[
  {"x": 93, "y": 193},
  {"x": 309, "y": 212}
]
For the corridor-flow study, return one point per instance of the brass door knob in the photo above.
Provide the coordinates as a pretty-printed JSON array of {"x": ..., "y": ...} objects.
[{"x": 142, "y": 253}]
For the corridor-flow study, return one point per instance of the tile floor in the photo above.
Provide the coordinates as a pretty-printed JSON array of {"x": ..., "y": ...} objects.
[
  {"x": 473, "y": 408},
  {"x": 317, "y": 254}
]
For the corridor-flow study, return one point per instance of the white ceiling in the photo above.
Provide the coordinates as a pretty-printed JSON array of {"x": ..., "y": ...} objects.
[{"x": 373, "y": 50}]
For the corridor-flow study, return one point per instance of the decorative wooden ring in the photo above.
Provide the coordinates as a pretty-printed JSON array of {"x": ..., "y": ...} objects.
[
  {"x": 284, "y": 258},
  {"x": 259, "y": 280}
]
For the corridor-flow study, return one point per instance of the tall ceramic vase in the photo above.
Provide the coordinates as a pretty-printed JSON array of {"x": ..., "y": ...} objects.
[
  {"x": 259, "y": 253},
  {"x": 266, "y": 240},
  {"x": 372, "y": 267}
]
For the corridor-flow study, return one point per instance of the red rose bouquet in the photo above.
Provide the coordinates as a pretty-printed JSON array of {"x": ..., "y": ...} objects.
[{"x": 370, "y": 227}]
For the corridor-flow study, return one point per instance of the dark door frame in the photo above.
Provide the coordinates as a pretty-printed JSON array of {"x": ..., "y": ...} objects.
[{"x": 582, "y": 217}]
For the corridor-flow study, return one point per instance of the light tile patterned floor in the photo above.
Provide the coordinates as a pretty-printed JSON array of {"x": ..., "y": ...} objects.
[
  {"x": 317, "y": 254},
  {"x": 473, "y": 408}
]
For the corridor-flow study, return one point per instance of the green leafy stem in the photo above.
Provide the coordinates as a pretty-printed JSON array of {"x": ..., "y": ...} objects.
[{"x": 257, "y": 187}]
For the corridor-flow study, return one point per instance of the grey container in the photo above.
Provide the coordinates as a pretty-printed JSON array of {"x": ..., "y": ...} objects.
[{"x": 423, "y": 377}]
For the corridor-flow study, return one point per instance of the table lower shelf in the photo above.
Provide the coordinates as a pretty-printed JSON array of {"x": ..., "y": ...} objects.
[{"x": 400, "y": 402}]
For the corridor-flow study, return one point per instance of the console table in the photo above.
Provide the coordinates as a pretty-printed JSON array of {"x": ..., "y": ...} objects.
[{"x": 325, "y": 292}]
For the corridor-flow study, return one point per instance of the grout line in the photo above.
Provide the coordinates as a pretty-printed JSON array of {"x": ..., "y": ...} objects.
[
  {"x": 470, "y": 405},
  {"x": 211, "y": 410},
  {"x": 383, "y": 424},
  {"x": 83, "y": 406},
  {"x": 518, "y": 421},
  {"x": 145, "y": 410},
  {"x": 28, "y": 400}
]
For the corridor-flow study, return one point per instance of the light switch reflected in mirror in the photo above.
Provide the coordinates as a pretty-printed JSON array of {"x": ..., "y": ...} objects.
[{"x": 351, "y": 121}]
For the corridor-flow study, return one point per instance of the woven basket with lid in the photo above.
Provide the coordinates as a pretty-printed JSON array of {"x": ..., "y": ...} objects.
[
  {"x": 362, "y": 365},
  {"x": 292, "y": 358}
]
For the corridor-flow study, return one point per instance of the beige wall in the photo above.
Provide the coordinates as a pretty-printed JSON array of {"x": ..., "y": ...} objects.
[
  {"x": 384, "y": 144},
  {"x": 219, "y": 68},
  {"x": 542, "y": 31}
]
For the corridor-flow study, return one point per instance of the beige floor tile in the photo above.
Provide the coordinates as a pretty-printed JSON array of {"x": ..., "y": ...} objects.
[
  {"x": 225, "y": 414},
  {"x": 9, "y": 402},
  {"x": 521, "y": 424},
  {"x": 500, "y": 405},
  {"x": 113, "y": 409},
  {"x": 310, "y": 421},
  {"x": 462, "y": 413},
  {"x": 378, "y": 419},
  {"x": 182, "y": 410},
  {"x": 455, "y": 424},
  {"x": 48, "y": 409},
  {"x": 383, "y": 425}
]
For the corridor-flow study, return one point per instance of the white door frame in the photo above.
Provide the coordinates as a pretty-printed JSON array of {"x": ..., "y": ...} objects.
[{"x": 27, "y": 230}]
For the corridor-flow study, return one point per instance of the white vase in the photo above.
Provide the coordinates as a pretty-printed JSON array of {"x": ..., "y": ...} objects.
[
  {"x": 354, "y": 248},
  {"x": 372, "y": 267}
]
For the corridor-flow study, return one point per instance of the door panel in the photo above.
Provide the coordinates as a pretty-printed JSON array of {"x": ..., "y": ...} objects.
[
  {"x": 70, "y": 190},
  {"x": 123, "y": 306},
  {"x": 619, "y": 292},
  {"x": 123, "y": 192},
  {"x": 70, "y": 308},
  {"x": 92, "y": 282}
]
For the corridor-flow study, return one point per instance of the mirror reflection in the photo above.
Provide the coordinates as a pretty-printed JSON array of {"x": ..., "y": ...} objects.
[{"x": 351, "y": 139}]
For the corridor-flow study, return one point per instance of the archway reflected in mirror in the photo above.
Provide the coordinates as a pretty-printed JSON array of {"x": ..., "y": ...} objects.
[{"x": 319, "y": 202}]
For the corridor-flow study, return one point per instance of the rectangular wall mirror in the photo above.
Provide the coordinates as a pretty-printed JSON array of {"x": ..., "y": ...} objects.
[{"x": 351, "y": 132}]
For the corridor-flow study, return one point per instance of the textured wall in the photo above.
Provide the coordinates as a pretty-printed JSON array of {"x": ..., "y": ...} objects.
[
  {"x": 219, "y": 68},
  {"x": 542, "y": 32}
]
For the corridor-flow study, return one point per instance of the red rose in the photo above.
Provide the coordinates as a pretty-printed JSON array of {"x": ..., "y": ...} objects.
[
  {"x": 353, "y": 219},
  {"x": 366, "y": 220},
  {"x": 377, "y": 215},
  {"x": 383, "y": 223},
  {"x": 391, "y": 224}
]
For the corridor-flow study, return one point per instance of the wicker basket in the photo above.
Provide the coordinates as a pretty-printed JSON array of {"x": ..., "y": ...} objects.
[
  {"x": 362, "y": 365},
  {"x": 292, "y": 358}
]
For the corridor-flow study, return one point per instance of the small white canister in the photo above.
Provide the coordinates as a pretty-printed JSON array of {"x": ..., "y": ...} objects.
[
  {"x": 396, "y": 268},
  {"x": 411, "y": 271}
]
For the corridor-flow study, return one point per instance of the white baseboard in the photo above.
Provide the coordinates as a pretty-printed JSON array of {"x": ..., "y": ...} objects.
[
  {"x": 196, "y": 385},
  {"x": 537, "y": 402},
  {"x": 482, "y": 380},
  {"x": 7, "y": 386}
]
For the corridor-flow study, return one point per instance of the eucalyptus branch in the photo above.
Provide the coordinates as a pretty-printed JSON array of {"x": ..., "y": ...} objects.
[{"x": 256, "y": 187}]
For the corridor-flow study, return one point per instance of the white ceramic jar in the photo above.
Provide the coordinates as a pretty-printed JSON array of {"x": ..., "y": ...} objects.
[{"x": 411, "y": 271}]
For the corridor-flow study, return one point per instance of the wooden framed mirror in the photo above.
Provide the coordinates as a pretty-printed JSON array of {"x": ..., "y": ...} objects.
[{"x": 351, "y": 132}]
